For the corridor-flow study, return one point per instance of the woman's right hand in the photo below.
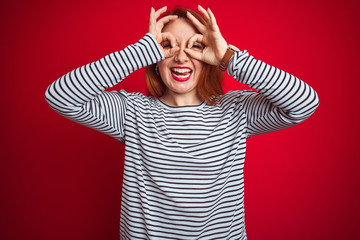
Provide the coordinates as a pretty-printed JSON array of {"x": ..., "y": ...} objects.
[{"x": 155, "y": 28}]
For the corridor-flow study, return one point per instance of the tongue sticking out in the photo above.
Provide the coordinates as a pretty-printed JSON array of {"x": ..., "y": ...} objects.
[{"x": 180, "y": 73}]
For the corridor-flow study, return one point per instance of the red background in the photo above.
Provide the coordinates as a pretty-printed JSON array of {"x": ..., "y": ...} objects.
[{"x": 60, "y": 180}]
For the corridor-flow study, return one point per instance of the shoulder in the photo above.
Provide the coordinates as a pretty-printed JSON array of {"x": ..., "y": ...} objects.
[
  {"x": 137, "y": 99},
  {"x": 236, "y": 96}
]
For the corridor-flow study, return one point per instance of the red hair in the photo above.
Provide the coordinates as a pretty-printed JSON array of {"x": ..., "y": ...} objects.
[{"x": 209, "y": 86}]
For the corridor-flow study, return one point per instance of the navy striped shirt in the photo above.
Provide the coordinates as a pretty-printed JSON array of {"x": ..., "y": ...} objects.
[{"x": 183, "y": 172}]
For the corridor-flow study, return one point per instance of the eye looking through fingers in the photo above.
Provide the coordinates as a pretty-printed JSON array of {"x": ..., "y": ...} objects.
[
  {"x": 166, "y": 44},
  {"x": 197, "y": 46}
]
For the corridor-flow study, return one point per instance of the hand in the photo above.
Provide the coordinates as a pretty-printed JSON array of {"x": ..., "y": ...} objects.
[
  {"x": 215, "y": 44},
  {"x": 155, "y": 28}
]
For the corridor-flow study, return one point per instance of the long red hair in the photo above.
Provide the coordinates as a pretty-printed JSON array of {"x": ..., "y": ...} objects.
[{"x": 209, "y": 87}]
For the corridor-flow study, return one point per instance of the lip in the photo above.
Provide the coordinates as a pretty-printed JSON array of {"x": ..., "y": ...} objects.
[{"x": 181, "y": 79}]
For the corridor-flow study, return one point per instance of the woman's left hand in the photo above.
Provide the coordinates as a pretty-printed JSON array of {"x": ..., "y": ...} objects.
[{"x": 215, "y": 44}]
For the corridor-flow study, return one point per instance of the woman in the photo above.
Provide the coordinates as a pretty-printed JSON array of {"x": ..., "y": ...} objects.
[{"x": 185, "y": 144}]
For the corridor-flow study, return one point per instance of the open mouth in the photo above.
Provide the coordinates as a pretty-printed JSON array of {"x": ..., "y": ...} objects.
[{"x": 181, "y": 74}]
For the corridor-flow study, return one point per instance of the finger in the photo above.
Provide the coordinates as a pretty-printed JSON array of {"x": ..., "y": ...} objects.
[
  {"x": 160, "y": 11},
  {"x": 152, "y": 20},
  {"x": 171, "y": 52},
  {"x": 166, "y": 36},
  {"x": 204, "y": 13},
  {"x": 195, "y": 38},
  {"x": 196, "y": 22},
  {"x": 212, "y": 20},
  {"x": 194, "y": 54},
  {"x": 165, "y": 20}
]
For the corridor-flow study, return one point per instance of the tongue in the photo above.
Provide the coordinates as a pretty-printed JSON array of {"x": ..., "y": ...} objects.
[{"x": 182, "y": 74}]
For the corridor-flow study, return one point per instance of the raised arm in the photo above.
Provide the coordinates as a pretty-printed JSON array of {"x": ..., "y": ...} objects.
[
  {"x": 80, "y": 94},
  {"x": 282, "y": 99}
]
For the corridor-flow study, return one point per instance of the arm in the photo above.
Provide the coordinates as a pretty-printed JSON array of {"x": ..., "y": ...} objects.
[
  {"x": 80, "y": 94},
  {"x": 282, "y": 99}
]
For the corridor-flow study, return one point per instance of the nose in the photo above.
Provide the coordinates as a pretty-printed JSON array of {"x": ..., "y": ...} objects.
[{"x": 181, "y": 56}]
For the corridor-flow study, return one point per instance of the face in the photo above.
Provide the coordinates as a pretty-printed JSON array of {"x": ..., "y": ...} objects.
[{"x": 180, "y": 73}]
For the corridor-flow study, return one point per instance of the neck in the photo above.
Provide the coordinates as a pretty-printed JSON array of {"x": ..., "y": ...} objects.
[{"x": 173, "y": 99}]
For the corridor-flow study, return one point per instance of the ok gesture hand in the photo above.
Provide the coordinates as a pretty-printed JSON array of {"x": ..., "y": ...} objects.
[{"x": 210, "y": 36}]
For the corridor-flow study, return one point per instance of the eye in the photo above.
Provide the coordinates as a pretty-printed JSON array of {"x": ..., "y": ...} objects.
[
  {"x": 198, "y": 46},
  {"x": 166, "y": 44}
]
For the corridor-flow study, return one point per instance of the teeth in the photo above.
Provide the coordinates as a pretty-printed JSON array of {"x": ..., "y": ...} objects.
[
  {"x": 182, "y": 76},
  {"x": 181, "y": 70}
]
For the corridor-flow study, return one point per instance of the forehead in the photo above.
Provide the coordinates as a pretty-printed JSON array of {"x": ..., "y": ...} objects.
[{"x": 180, "y": 29}]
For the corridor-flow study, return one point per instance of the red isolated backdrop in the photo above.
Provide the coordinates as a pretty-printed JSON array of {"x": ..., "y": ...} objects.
[{"x": 60, "y": 180}]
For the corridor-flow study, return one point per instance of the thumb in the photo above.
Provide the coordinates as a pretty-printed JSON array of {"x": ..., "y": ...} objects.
[
  {"x": 194, "y": 54},
  {"x": 171, "y": 51}
]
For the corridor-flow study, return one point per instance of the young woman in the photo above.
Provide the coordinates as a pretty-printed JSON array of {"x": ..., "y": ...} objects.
[{"x": 185, "y": 144}]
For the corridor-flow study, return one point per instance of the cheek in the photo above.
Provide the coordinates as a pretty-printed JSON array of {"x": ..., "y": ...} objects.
[
  {"x": 162, "y": 65},
  {"x": 199, "y": 67}
]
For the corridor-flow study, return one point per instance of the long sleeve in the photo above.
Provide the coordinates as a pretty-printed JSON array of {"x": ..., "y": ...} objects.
[
  {"x": 80, "y": 94},
  {"x": 282, "y": 100}
]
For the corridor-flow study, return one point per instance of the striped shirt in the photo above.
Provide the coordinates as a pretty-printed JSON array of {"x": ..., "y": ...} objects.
[{"x": 183, "y": 170}]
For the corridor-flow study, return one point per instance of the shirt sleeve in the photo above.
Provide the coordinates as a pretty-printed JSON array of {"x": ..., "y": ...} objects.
[
  {"x": 80, "y": 94},
  {"x": 282, "y": 100}
]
